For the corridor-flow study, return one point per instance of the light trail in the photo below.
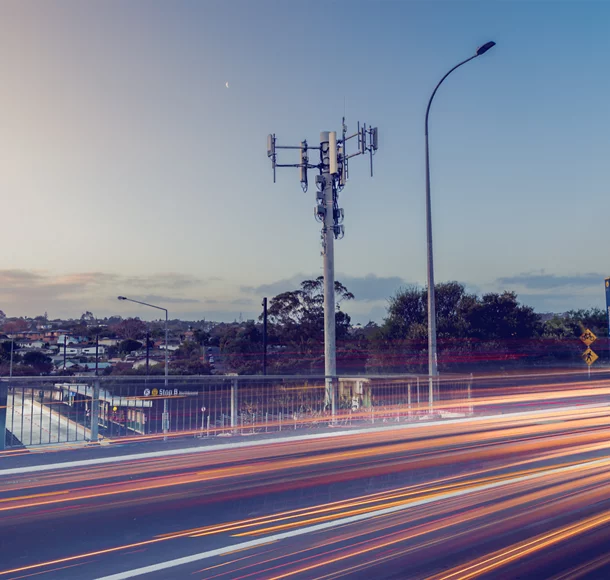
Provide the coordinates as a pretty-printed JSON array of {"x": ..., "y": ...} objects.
[{"x": 497, "y": 473}]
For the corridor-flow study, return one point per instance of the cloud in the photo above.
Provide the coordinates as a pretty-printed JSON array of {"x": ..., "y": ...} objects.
[
  {"x": 366, "y": 288},
  {"x": 242, "y": 302},
  {"x": 156, "y": 299},
  {"x": 30, "y": 292},
  {"x": 169, "y": 280},
  {"x": 559, "y": 303},
  {"x": 19, "y": 277},
  {"x": 372, "y": 287},
  {"x": 275, "y": 288},
  {"x": 220, "y": 315},
  {"x": 542, "y": 281}
]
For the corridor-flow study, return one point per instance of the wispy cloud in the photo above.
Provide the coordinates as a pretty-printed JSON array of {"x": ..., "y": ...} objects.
[
  {"x": 366, "y": 288},
  {"x": 540, "y": 280},
  {"x": 169, "y": 280},
  {"x": 33, "y": 292},
  {"x": 242, "y": 302},
  {"x": 161, "y": 300}
]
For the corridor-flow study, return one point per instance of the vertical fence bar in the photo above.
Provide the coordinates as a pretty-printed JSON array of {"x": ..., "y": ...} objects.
[
  {"x": 95, "y": 411},
  {"x": 51, "y": 403},
  {"x": 41, "y": 396},
  {"x": 234, "y": 391},
  {"x": 11, "y": 390},
  {"x": 3, "y": 413}
]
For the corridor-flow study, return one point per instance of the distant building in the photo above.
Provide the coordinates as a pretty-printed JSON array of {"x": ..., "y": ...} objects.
[
  {"x": 30, "y": 344},
  {"x": 142, "y": 363},
  {"x": 82, "y": 350},
  {"x": 172, "y": 346},
  {"x": 70, "y": 339}
]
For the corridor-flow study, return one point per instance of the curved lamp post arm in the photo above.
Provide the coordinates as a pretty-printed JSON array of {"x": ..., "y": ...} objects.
[{"x": 440, "y": 83}]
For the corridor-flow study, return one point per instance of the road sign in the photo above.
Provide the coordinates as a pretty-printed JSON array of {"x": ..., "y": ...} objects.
[
  {"x": 589, "y": 356},
  {"x": 588, "y": 337}
]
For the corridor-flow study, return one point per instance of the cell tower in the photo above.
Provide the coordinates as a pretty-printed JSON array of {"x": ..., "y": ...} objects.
[{"x": 333, "y": 174}]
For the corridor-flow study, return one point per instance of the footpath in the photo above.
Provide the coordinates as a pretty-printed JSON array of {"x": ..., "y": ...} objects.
[{"x": 37, "y": 424}]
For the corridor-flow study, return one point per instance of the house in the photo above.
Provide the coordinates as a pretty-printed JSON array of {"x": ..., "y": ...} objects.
[
  {"x": 109, "y": 341},
  {"x": 29, "y": 344},
  {"x": 51, "y": 336},
  {"x": 69, "y": 339},
  {"x": 141, "y": 362},
  {"x": 59, "y": 365},
  {"x": 171, "y": 346},
  {"x": 82, "y": 350}
]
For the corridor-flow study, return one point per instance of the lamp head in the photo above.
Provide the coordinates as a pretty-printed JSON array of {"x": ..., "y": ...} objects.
[
  {"x": 483, "y": 49},
  {"x": 121, "y": 298}
]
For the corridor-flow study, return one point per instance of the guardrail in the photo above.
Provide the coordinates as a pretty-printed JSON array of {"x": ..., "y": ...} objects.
[{"x": 46, "y": 410}]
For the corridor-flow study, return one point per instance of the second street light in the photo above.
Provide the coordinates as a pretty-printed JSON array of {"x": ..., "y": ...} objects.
[
  {"x": 432, "y": 358},
  {"x": 165, "y": 419}
]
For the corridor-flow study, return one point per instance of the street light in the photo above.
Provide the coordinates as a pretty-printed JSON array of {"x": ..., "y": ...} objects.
[
  {"x": 432, "y": 359},
  {"x": 165, "y": 414}
]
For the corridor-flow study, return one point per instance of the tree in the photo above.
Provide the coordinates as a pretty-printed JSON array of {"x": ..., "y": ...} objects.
[
  {"x": 128, "y": 345},
  {"x": 201, "y": 336},
  {"x": 192, "y": 366},
  {"x": 5, "y": 352},
  {"x": 40, "y": 362},
  {"x": 242, "y": 348},
  {"x": 15, "y": 326},
  {"x": 560, "y": 334},
  {"x": 87, "y": 318},
  {"x": 187, "y": 349},
  {"x": 296, "y": 325},
  {"x": 469, "y": 328},
  {"x": 130, "y": 328}
]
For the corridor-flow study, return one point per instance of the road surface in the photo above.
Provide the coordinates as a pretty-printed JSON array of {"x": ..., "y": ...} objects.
[{"x": 523, "y": 495}]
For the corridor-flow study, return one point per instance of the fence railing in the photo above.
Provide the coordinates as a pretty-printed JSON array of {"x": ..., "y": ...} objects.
[{"x": 46, "y": 410}]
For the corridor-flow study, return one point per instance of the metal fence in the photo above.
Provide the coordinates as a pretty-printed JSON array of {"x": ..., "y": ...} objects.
[{"x": 47, "y": 410}]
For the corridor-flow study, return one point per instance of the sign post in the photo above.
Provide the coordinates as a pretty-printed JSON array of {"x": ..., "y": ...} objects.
[{"x": 589, "y": 356}]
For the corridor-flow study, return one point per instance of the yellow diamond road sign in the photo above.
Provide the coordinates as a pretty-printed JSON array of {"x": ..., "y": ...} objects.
[
  {"x": 588, "y": 337},
  {"x": 589, "y": 356}
]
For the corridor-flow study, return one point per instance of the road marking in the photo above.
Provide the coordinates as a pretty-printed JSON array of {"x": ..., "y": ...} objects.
[
  {"x": 289, "y": 439},
  {"x": 348, "y": 520}
]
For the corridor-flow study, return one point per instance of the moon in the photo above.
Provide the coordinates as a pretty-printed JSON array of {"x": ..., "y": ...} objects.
[{"x": 227, "y": 84}]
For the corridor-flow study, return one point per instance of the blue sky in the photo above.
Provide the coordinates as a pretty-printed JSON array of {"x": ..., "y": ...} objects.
[{"x": 127, "y": 166}]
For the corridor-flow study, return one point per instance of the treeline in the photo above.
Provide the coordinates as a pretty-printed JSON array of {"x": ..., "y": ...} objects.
[{"x": 474, "y": 333}]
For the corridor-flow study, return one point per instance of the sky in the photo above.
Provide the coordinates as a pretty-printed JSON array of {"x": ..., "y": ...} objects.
[{"x": 128, "y": 167}]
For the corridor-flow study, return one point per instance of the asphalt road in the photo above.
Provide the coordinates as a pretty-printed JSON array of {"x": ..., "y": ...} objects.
[{"x": 512, "y": 496}]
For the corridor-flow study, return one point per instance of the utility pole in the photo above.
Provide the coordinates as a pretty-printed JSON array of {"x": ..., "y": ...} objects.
[
  {"x": 147, "y": 349},
  {"x": 333, "y": 174},
  {"x": 65, "y": 344},
  {"x": 265, "y": 335},
  {"x": 97, "y": 350}
]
